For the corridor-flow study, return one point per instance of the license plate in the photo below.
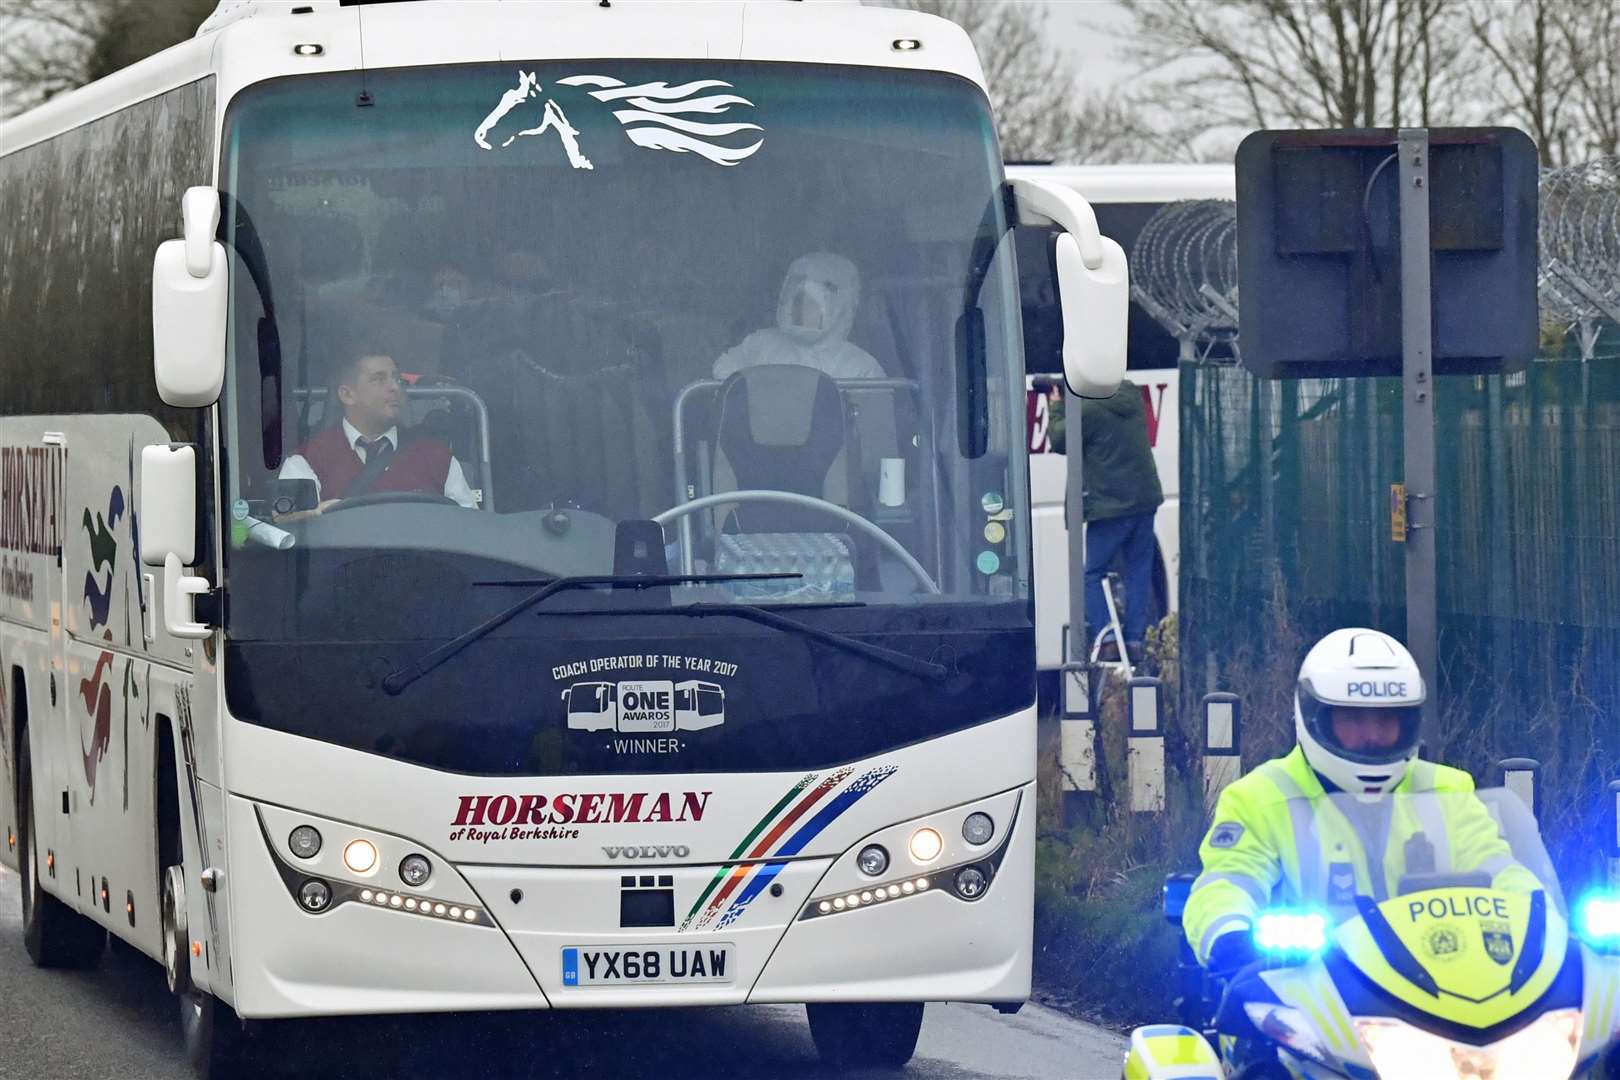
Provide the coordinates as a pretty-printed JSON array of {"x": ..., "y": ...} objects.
[{"x": 637, "y": 965}]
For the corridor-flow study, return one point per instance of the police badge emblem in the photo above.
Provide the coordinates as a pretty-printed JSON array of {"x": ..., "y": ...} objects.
[
  {"x": 1225, "y": 835},
  {"x": 1442, "y": 943},
  {"x": 1498, "y": 937}
]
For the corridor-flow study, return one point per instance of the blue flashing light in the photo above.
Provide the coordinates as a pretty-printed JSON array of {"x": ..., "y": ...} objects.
[
  {"x": 1598, "y": 920},
  {"x": 1291, "y": 932}
]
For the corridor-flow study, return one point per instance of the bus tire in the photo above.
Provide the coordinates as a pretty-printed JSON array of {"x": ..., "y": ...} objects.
[
  {"x": 882, "y": 1036},
  {"x": 218, "y": 1043},
  {"x": 54, "y": 934}
]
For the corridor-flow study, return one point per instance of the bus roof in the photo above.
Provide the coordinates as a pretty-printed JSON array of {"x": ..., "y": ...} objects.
[
  {"x": 1141, "y": 183},
  {"x": 249, "y": 41}
]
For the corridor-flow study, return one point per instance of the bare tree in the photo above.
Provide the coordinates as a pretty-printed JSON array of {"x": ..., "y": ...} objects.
[
  {"x": 1590, "y": 33},
  {"x": 1530, "y": 72},
  {"x": 1040, "y": 116},
  {"x": 45, "y": 49},
  {"x": 51, "y": 46},
  {"x": 1330, "y": 63}
]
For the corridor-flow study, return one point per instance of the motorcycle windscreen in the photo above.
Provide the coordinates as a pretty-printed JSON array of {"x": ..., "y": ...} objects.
[{"x": 1446, "y": 901}]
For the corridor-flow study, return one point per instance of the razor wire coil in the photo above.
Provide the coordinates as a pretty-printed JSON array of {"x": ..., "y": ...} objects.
[
  {"x": 1579, "y": 283},
  {"x": 1184, "y": 272},
  {"x": 1184, "y": 262}
]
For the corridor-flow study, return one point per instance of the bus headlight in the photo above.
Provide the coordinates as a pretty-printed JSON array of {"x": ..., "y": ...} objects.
[
  {"x": 315, "y": 895},
  {"x": 872, "y": 860},
  {"x": 360, "y": 856},
  {"x": 925, "y": 845},
  {"x": 978, "y": 829},
  {"x": 305, "y": 841},
  {"x": 414, "y": 870}
]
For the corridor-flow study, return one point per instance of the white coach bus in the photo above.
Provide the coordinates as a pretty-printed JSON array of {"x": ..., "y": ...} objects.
[
  {"x": 361, "y": 394},
  {"x": 1125, "y": 197}
]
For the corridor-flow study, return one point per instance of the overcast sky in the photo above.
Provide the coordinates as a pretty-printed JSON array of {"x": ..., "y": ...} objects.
[{"x": 1074, "y": 27}]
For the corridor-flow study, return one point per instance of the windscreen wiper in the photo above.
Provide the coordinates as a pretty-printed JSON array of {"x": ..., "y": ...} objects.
[{"x": 395, "y": 682}]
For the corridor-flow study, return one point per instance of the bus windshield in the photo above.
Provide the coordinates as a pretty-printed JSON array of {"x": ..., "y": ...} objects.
[{"x": 497, "y": 324}]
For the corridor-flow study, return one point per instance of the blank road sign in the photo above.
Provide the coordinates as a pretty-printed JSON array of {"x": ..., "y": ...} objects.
[{"x": 1319, "y": 258}]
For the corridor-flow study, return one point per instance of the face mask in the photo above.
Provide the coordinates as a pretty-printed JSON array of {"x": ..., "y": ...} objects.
[
  {"x": 807, "y": 311},
  {"x": 445, "y": 300}
]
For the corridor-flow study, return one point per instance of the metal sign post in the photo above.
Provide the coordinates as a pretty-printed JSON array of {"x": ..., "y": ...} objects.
[
  {"x": 1320, "y": 215},
  {"x": 1417, "y": 405}
]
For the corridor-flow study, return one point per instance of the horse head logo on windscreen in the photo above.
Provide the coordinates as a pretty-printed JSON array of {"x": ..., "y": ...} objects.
[{"x": 687, "y": 119}]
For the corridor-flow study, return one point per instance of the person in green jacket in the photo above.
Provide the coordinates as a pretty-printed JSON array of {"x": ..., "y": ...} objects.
[
  {"x": 1284, "y": 834},
  {"x": 1122, "y": 495}
]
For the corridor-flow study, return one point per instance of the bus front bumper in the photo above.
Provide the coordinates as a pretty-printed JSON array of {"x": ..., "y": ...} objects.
[{"x": 489, "y": 937}]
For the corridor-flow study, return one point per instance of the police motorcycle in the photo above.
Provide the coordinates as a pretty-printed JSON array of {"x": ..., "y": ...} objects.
[{"x": 1480, "y": 974}]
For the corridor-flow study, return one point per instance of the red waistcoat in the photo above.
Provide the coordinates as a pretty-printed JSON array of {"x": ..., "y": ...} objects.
[{"x": 418, "y": 464}]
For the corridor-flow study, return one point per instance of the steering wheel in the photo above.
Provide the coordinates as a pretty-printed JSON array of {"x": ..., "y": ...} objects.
[
  {"x": 378, "y": 498},
  {"x": 887, "y": 542}
]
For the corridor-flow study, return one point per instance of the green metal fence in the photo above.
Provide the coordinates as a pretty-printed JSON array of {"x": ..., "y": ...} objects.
[{"x": 1286, "y": 534}]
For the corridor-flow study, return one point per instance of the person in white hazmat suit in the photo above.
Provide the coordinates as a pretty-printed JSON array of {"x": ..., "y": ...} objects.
[{"x": 813, "y": 318}]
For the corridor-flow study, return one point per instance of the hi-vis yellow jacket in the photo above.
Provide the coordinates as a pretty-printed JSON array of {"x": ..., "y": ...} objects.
[{"x": 1277, "y": 838}]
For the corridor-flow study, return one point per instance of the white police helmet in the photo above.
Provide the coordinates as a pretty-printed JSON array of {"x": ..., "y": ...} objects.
[{"x": 1359, "y": 669}]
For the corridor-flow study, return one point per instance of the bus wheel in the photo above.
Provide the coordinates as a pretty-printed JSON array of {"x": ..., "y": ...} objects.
[
  {"x": 218, "y": 1043},
  {"x": 176, "y": 942},
  {"x": 216, "y": 1039},
  {"x": 55, "y": 935},
  {"x": 866, "y": 1036}
]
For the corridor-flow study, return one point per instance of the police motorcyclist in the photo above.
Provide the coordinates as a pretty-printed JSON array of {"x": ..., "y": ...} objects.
[{"x": 1357, "y": 711}]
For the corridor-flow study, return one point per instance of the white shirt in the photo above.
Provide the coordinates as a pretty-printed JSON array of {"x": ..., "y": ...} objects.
[{"x": 455, "y": 481}]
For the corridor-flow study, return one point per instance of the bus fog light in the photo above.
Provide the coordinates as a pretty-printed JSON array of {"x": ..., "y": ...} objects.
[
  {"x": 414, "y": 870},
  {"x": 305, "y": 841},
  {"x": 971, "y": 883},
  {"x": 872, "y": 860},
  {"x": 360, "y": 856},
  {"x": 926, "y": 845},
  {"x": 314, "y": 895},
  {"x": 978, "y": 829}
]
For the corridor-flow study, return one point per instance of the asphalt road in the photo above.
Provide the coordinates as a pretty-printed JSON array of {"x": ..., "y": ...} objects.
[{"x": 118, "y": 1023}]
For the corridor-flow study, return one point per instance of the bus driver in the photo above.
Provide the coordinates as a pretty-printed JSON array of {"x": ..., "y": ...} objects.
[{"x": 366, "y": 453}]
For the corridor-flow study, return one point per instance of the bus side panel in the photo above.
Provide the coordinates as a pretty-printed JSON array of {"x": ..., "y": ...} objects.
[
  {"x": 8, "y": 748},
  {"x": 113, "y": 636},
  {"x": 81, "y": 215},
  {"x": 31, "y": 479},
  {"x": 24, "y": 664}
]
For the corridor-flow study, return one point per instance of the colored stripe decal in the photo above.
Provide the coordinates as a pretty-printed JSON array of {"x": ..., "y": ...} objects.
[
  {"x": 803, "y": 783},
  {"x": 845, "y": 799},
  {"x": 755, "y": 887},
  {"x": 829, "y": 813},
  {"x": 781, "y": 803},
  {"x": 798, "y": 811},
  {"x": 764, "y": 845}
]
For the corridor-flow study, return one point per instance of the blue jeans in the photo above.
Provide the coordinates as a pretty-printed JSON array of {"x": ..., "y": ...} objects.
[{"x": 1131, "y": 537}]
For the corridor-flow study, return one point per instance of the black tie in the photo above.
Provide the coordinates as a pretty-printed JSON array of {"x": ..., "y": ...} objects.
[{"x": 377, "y": 449}]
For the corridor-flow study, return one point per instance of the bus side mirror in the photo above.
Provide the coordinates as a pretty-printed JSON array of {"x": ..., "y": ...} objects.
[
  {"x": 1094, "y": 288},
  {"x": 168, "y": 518},
  {"x": 189, "y": 292}
]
